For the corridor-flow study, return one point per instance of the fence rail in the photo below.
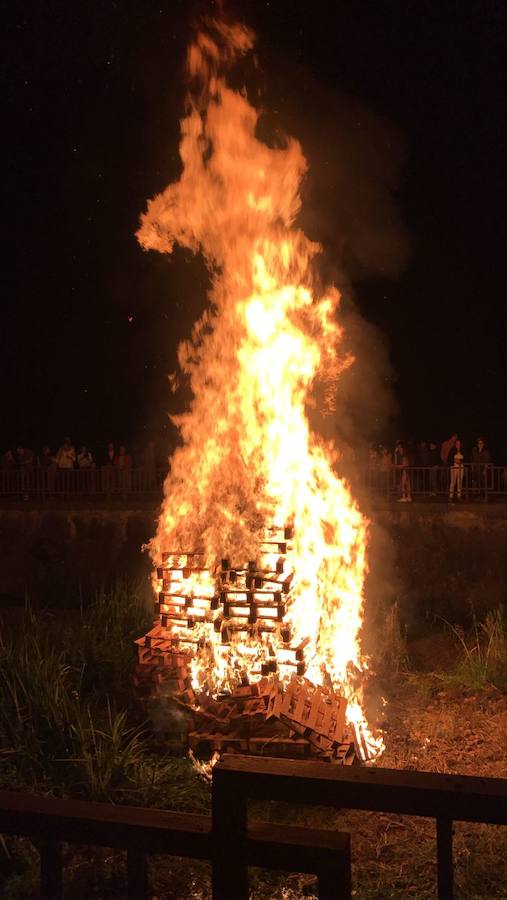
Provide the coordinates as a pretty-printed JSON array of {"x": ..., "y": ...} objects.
[
  {"x": 232, "y": 844},
  {"x": 446, "y": 798},
  {"x": 470, "y": 483},
  {"x": 466, "y": 483},
  {"x": 105, "y": 481}
]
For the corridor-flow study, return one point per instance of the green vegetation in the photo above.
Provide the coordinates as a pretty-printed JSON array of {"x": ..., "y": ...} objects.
[
  {"x": 483, "y": 659},
  {"x": 69, "y": 722},
  {"x": 480, "y": 654},
  {"x": 70, "y": 726}
]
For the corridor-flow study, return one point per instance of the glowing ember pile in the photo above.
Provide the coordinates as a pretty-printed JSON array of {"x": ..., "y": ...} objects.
[{"x": 260, "y": 548}]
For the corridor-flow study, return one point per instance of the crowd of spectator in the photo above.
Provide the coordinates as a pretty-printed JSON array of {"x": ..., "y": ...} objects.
[
  {"x": 427, "y": 467},
  {"x": 112, "y": 467},
  {"x": 437, "y": 465}
]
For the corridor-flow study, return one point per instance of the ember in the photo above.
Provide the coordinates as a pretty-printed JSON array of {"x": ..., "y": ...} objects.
[{"x": 260, "y": 548}]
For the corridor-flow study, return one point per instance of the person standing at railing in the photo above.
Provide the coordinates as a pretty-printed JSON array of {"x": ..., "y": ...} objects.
[
  {"x": 46, "y": 462},
  {"x": 66, "y": 455},
  {"x": 446, "y": 448},
  {"x": 65, "y": 461},
  {"x": 457, "y": 470},
  {"x": 405, "y": 483},
  {"x": 86, "y": 467},
  {"x": 85, "y": 459},
  {"x": 445, "y": 451},
  {"x": 385, "y": 465},
  {"x": 123, "y": 465},
  {"x": 24, "y": 462},
  {"x": 108, "y": 473},
  {"x": 481, "y": 462}
]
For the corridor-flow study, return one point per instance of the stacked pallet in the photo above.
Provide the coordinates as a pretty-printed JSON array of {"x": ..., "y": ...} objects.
[
  {"x": 162, "y": 663},
  {"x": 273, "y": 709},
  {"x": 300, "y": 720}
]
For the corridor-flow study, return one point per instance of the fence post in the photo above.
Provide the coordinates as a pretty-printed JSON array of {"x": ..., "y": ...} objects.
[
  {"x": 51, "y": 885},
  {"x": 444, "y": 859},
  {"x": 334, "y": 879},
  {"x": 137, "y": 875},
  {"x": 229, "y": 828}
]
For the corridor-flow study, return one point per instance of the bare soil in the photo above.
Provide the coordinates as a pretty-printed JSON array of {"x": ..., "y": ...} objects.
[{"x": 430, "y": 725}]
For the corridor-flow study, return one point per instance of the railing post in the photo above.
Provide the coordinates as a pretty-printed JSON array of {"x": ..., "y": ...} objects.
[
  {"x": 137, "y": 875},
  {"x": 229, "y": 827},
  {"x": 444, "y": 859},
  {"x": 335, "y": 882},
  {"x": 51, "y": 885}
]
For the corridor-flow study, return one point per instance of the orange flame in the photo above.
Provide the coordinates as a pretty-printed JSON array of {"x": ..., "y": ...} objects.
[{"x": 249, "y": 459}]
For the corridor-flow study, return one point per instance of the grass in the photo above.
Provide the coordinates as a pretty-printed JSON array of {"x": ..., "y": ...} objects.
[
  {"x": 70, "y": 726},
  {"x": 484, "y": 660},
  {"x": 69, "y": 723},
  {"x": 391, "y": 651},
  {"x": 482, "y": 653}
]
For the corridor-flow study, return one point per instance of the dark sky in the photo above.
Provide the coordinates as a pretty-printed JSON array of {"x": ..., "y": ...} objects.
[{"x": 412, "y": 93}]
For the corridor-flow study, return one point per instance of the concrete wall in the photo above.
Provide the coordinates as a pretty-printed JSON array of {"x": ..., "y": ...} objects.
[
  {"x": 53, "y": 555},
  {"x": 433, "y": 558},
  {"x": 445, "y": 560}
]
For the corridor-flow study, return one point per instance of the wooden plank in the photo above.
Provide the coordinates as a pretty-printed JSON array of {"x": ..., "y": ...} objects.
[
  {"x": 295, "y": 849},
  {"x": 105, "y": 825},
  {"x": 460, "y": 797}
]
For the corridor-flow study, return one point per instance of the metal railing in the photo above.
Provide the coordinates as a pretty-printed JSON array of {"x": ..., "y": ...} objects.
[
  {"x": 48, "y": 483},
  {"x": 468, "y": 484},
  {"x": 232, "y": 844}
]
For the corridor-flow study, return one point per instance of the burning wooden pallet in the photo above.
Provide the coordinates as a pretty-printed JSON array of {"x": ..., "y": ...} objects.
[
  {"x": 275, "y": 709},
  {"x": 266, "y": 718}
]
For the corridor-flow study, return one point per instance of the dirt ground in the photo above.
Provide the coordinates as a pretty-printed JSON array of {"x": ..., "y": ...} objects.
[{"x": 430, "y": 725}]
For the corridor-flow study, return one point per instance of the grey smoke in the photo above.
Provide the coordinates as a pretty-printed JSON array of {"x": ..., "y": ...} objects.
[{"x": 350, "y": 206}]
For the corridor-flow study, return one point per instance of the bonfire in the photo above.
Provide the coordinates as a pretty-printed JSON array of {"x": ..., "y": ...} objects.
[{"x": 260, "y": 553}]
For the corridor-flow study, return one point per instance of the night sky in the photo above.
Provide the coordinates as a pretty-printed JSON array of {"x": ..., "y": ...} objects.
[{"x": 401, "y": 112}]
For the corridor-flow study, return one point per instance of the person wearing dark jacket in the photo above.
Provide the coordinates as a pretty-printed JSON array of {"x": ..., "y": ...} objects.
[{"x": 481, "y": 461}]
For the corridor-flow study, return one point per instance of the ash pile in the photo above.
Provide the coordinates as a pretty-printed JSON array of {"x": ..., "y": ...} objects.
[{"x": 271, "y": 708}]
